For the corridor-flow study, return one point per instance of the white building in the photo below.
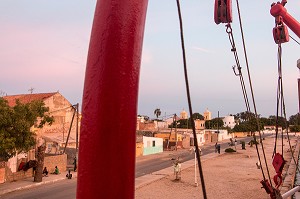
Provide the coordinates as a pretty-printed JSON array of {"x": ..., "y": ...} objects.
[
  {"x": 152, "y": 145},
  {"x": 229, "y": 121}
]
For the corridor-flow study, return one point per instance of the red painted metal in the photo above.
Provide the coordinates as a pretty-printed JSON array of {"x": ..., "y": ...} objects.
[
  {"x": 266, "y": 185},
  {"x": 278, "y": 164},
  {"x": 223, "y": 11},
  {"x": 108, "y": 128},
  {"x": 281, "y": 34},
  {"x": 299, "y": 95},
  {"x": 278, "y": 9}
]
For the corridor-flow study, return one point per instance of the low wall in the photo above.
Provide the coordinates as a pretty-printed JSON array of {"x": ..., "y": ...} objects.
[
  {"x": 56, "y": 160},
  {"x": 2, "y": 172},
  {"x": 139, "y": 149},
  {"x": 19, "y": 175},
  {"x": 290, "y": 171},
  {"x": 153, "y": 150}
]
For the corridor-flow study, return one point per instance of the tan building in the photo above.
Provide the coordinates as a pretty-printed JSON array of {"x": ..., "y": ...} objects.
[
  {"x": 183, "y": 115},
  {"x": 207, "y": 115},
  {"x": 62, "y": 111},
  {"x": 199, "y": 124}
]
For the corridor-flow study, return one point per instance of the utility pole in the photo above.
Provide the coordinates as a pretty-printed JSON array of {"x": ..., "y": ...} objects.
[
  {"x": 218, "y": 127},
  {"x": 175, "y": 131},
  {"x": 77, "y": 120},
  {"x": 298, "y": 66}
]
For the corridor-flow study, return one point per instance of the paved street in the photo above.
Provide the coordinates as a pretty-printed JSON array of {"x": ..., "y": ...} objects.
[{"x": 66, "y": 189}]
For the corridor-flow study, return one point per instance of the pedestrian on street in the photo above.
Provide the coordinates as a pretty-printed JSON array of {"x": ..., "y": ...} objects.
[
  {"x": 75, "y": 163},
  {"x": 216, "y": 147},
  {"x": 219, "y": 148},
  {"x": 235, "y": 144}
]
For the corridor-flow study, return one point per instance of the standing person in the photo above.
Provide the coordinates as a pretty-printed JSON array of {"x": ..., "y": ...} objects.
[
  {"x": 235, "y": 144},
  {"x": 216, "y": 147},
  {"x": 75, "y": 163},
  {"x": 219, "y": 148}
]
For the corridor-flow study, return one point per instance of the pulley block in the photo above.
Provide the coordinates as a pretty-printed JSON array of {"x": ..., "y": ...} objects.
[
  {"x": 223, "y": 11},
  {"x": 281, "y": 34},
  {"x": 278, "y": 162}
]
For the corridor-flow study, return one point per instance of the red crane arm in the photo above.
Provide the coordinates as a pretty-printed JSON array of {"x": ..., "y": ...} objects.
[{"x": 278, "y": 9}]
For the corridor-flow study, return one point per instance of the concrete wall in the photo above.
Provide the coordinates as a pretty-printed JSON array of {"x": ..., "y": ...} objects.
[
  {"x": 19, "y": 175},
  {"x": 139, "y": 149},
  {"x": 57, "y": 160},
  {"x": 2, "y": 172},
  {"x": 152, "y": 145},
  {"x": 224, "y": 135},
  {"x": 60, "y": 108}
]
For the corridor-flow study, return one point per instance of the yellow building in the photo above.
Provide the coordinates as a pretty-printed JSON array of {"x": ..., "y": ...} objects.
[
  {"x": 207, "y": 115},
  {"x": 183, "y": 114}
]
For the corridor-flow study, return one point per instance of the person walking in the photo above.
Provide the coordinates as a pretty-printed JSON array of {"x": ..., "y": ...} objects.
[
  {"x": 216, "y": 147},
  {"x": 219, "y": 148},
  {"x": 75, "y": 163}
]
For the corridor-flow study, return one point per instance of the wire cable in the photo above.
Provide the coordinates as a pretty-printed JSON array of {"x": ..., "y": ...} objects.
[
  {"x": 253, "y": 99},
  {"x": 190, "y": 103},
  {"x": 294, "y": 40}
]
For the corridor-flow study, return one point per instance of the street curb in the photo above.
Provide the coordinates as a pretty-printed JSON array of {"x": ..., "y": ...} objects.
[{"x": 32, "y": 185}]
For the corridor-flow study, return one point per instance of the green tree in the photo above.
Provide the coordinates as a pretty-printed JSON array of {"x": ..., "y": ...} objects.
[
  {"x": 294, "y": 119},
  {"x": 214, "y": 123},
  {"x": 15, "y": 123},
  {"x": 248, "y": 126},
  {"x": 281, "y": 121},
  {"x": 197, "y": 116},
  {"x": 295, "y": 128}
]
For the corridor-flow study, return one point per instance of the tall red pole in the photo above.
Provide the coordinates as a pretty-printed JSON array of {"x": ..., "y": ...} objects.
[{"x": 109, "y": 109}]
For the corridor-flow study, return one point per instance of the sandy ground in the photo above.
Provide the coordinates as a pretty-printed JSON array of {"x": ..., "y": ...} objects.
[{"x": 229, "y": 176}]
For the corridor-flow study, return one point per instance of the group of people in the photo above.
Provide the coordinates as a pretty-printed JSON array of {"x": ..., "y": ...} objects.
[
  {"x": 45, "y": 171},
  {"x": 56, "y": 170}
]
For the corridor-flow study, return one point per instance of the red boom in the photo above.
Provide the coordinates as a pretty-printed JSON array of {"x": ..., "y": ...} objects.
[
  {"x": 108, "y": 129},
  {"x": 279, "y": 10}
]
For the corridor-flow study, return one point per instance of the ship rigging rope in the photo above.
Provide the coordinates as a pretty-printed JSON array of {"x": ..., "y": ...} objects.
[
  {"x": 294, "y": 40},
  {"x": 280, "y": 97},
  {"x": 253, "y": 101},
  {"x": 236, "y": 57},
  {"x": 190, "y": 103}
]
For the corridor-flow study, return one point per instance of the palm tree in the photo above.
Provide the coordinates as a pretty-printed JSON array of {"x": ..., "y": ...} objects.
[{"x": 157, "y": 112}]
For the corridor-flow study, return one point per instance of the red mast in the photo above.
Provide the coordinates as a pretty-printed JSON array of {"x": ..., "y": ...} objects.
[{"x": 108, "y": 130}]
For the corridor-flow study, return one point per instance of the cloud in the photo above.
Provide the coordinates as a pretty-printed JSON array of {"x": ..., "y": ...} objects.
[{"x": 202, "y": 49}]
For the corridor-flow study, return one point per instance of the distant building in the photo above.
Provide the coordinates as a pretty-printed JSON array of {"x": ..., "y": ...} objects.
[
  {"x": 62, "y": 111},
  {"x": 183, "y": 115},
  {"x": 207, "y": 115},
  {"x": 229, "y": 121},
  {"x": 199, "y": 124}
]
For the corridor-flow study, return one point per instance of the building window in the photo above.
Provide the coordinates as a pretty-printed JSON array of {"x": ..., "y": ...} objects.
[{"x": 153, "y": 143}]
